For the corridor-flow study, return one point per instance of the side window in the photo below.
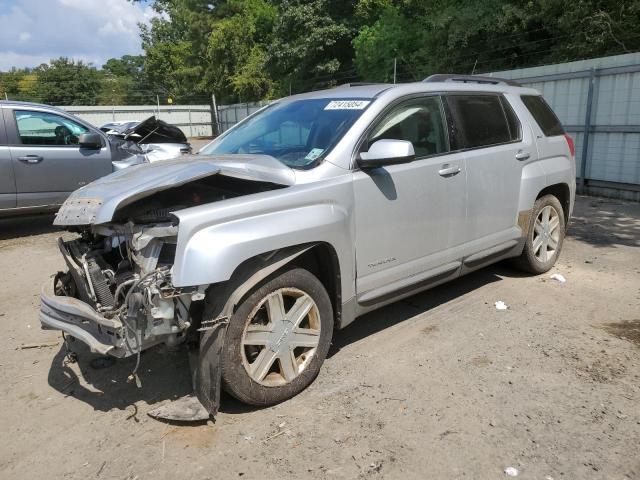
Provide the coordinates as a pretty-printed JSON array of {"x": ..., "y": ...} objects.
[
  {"x": 419, "y": 121},
  {"x": 543, "y": 115},
  {"x": 478, "y": 121},
  {"x": 43, "y": 128}
]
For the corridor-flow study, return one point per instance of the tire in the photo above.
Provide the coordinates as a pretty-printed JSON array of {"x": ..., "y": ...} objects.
[
  {"x": 262, "y": 360},
  {"x": 543, "y": 237}
]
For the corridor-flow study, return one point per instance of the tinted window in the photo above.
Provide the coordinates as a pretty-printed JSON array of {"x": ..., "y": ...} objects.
[
  {"x": 478, "y": 120},
  {"x": 42, "y": 128},
  {"x": 298, "y": 133},
  {"x": 543, "y": 115},
  {"x": 419, "y": 121}
]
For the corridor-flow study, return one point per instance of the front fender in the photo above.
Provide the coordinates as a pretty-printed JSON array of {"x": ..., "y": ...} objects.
[{"x": 211, "y": 254}]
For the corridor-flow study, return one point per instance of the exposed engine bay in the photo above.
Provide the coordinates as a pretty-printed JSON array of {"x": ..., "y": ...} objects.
[
  {"x": 118, "y": 295},
  {"x": 123, "y": 269},
  {"x": 124, "y": 273}
]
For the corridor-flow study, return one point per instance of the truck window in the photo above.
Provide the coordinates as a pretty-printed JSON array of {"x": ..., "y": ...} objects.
[{"x": 543, "y": 115}]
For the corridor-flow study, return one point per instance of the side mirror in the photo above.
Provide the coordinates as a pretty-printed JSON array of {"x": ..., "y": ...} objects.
[
  {"x": 90, "y": 140},
  {"x": 387, "y": 152}
]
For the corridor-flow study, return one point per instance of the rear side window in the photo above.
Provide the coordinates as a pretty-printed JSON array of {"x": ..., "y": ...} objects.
[
  {"x": 543, "y": 115},
  {"x": 480, "y": 121}
]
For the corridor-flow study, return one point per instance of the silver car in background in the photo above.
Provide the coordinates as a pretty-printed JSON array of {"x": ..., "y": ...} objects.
[
  {"x": 313, "y": 211},
  {"x": 155, "y": 138},
  {"x": 46, "y": 153}
]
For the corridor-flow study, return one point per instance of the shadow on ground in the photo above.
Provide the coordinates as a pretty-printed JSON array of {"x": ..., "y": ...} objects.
[
  {"x": 605, "y": 223},
  {"x": 164, "y": 375},
  {"x": 17, "y": 227},
  {"x": 402, "y": 310}
]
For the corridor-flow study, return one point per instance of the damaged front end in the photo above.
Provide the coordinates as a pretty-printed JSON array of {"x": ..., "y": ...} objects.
[{"x": 118, "y": 295}]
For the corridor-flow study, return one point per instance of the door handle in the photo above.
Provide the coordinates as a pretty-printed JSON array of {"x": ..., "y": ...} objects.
[
  {"x": 447, "y": 171},
  {"x": 522, "y": 155},
  {"x": 30, "y": 159}
]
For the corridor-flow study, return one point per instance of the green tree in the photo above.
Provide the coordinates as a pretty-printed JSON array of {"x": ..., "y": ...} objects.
[
  {"x": 19, "y": 84},
  {"x": 311, "y": 45},
  {"x": 67, "y": 82},
  {"x": 124, "y": 82}
]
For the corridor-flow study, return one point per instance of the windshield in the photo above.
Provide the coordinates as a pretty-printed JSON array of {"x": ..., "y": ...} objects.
[{"x": 298, "y": 133}]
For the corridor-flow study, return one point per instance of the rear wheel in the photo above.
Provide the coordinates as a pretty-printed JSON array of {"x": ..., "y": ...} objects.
[
  {"x": 277, "y": 339},
  {"x": 545, "y": 236}
]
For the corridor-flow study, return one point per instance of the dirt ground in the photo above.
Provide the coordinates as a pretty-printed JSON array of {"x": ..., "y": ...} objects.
[{"x": 441, "y": 385}]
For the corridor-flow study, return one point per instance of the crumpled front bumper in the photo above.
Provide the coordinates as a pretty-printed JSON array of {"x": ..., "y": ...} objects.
[{"x": 80, "y": 320}]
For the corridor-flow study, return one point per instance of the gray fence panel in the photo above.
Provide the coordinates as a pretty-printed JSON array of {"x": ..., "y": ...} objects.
[{"x": 193, "y": 120}]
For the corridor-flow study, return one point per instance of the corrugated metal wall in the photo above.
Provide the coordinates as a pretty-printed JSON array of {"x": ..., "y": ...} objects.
[{"x": 598, "y": 101}]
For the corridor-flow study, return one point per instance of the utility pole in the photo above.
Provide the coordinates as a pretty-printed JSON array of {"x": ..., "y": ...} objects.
[
  {"x": 395, "y": 64},
  {"x": 215, "y": 125},
  {"x": 158, "y": 102}
]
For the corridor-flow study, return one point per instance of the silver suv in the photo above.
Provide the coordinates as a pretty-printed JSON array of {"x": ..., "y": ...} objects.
[{"x": 309, "y": 213}]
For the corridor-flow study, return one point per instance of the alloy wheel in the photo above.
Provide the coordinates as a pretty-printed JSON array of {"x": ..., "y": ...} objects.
[
  {"x": 546, "y": 234},
  {"x": 280, "y": 337}
]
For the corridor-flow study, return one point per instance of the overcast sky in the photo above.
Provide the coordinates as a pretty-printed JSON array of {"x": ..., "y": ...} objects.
[{"x": 34, "y": 31}]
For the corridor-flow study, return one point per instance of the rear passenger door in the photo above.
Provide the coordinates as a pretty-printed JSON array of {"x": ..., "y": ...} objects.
[
  {"x": 7, "y": 182},
  {"x": 48, "y": 162},
  {"x": 485, "y": 127}
]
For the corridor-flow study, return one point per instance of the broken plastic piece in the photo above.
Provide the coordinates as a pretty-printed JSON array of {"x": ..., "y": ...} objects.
[
  {"x": 558, "y": 277},
  {"x": 500, "y": 305},
  {"x": 511, "y": 471},
  {"x": 185, "y": 409}
]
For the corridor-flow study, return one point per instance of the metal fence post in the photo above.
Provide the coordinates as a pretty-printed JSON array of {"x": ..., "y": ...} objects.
[
  {"x": 215, "y": 125},
  {"x": 587, "y": 129}
]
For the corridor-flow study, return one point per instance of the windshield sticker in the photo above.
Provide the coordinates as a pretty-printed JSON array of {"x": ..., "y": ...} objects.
[
  {"x": 347, "y": 104},
  {"x": 314, "y": 153}
]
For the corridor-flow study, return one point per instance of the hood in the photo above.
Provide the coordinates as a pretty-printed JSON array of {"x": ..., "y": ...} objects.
[
  {"x": 97, "y": 202},
  {"x": 150, "y": 130}
]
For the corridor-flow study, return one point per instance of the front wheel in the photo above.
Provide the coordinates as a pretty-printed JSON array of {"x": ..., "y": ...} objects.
[
  {"x": 545, "y": 236},
  {"x": 277, "y": 339}
]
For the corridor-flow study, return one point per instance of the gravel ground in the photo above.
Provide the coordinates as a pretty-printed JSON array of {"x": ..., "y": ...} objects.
[{"x": 441, "y": 385}]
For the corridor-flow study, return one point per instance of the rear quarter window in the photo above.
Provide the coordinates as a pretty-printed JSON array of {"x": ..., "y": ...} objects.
[
  {"x": 480, "y": 121},
  {"x": 543, "y": 115}
]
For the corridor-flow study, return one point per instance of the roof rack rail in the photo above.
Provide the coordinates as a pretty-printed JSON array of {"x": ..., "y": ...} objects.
[
  {"x": 445, "y": 77},
  {"x": 355, "y": 84}
]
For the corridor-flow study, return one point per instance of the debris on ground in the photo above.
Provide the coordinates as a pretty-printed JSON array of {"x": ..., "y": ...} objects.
[
  {"x": 26, "y": 346},
  {"x": 511, "y": 471},
  {"x": 184, "y": 409},
  {"x": 558, "y": 277},
  {"x": 500, "y": 305}
]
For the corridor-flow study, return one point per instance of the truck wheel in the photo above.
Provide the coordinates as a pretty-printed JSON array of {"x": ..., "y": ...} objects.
[
  {"x": 545, "y": 236},
  {"x": 277, "y": 339}
]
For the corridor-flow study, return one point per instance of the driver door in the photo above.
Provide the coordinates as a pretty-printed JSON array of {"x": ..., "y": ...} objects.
[
  {"x": 48, "y": 163},
  {"x": 409, "y": 217}
]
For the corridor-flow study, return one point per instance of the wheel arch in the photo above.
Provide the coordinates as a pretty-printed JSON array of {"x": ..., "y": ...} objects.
[
  {"x": 320, "y": 258},
  {"x": 562, "y": 192}
]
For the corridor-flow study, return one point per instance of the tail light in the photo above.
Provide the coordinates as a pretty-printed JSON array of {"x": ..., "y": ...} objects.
[{"x": 572, "y": 147}]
